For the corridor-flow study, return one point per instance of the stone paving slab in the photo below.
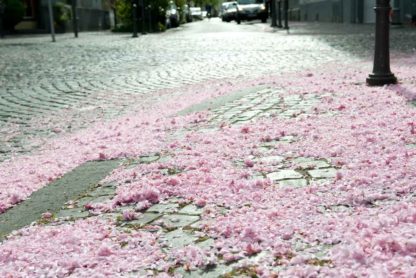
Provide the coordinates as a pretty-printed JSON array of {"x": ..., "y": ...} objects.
[
  {"x": 164, "y": 208},
  {"x": 144, "y": 219},
  {"x": 52, "y": 197},
  {"x": 173, "y": 221},
  {"x": 294, "y": 183},
  {"x": 323, "y": 173},
  {"x": 215, "y": 272},
  {"x": 178, "y": 238},
  {"x": 310, "y": 163},
  {"x": 263, "y": 103},
  {"x": 191, "y": 210},
  {"x": 284, "y": 175},
  {"x": 74, "y": 213},
  {"x": 219, "y": 102}
]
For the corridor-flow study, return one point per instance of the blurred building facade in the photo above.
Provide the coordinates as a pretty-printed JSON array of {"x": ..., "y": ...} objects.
[
  {"x": 92, "y": 15},
  {"x": 349, "y": 11}
]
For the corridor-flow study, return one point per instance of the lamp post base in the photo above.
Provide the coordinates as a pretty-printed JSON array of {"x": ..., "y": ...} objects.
[{"x": 380, "y": 80}]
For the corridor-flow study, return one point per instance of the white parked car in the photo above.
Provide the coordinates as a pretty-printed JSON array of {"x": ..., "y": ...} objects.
[{"x": 196, "y": 13}]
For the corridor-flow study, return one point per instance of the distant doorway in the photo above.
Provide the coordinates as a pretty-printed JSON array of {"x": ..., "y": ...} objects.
[{"x": 30, "y": 12}]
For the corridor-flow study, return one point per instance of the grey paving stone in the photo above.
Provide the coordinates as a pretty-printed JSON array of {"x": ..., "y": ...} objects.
[
  {"x": 120, "y": 209},
  {"x": 294, "y": 183},
  {"x": 336, "y": 209},
  {"x": 177, "y": 220},
  {"x": 164, "y": 208},
  {"x": 102, "y": 191},
  {"x": 256, "y": 259},
  {"x": 269, "y": 145},
  {"x": 273, "y": 160},
  {"x": 55, "y": 195},
  {"x": 206, "y": 244},
  {"x": 249, "y": 114},
  {"x": 284, "y": 175},
  {"x": 110, "y": 216},
  {"x": 139, "y": 273},
  {"x": 216, "y": 272},
  {"x": 288, "y": 138},
  {"x": 191, "y": 210},
  {"x": 92, "y": 200},
  {"x": 311, "y": 164},
  {"x": 74, "y": 213},
  {"x": 292, "y": 98},
  {"x": 197, "y": 225},
  {"x": 149, "y": 159},
  {"x": 229, "y": 116},
  {"x": 323, "y": 173},
  {"x": 178, "y": 238},
  {"x": 241, "y": 121},
  {"x": 111, "y": 185},
  {"x": 145, "y": 218}
]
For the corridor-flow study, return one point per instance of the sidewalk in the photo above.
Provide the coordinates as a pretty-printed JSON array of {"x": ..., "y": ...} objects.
[{"x": 303, "y": 175}]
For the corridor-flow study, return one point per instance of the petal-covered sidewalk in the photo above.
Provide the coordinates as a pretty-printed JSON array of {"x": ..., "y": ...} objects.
[{"x": 313, "y": 174}]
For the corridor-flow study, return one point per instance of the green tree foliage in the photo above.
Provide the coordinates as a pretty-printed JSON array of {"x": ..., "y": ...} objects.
[
  {"x": 13, "y": 13},
  {"x": 124, "y": 14},
  {"x": 62, "y": 14},
  {"x": 202, "y": 3}
]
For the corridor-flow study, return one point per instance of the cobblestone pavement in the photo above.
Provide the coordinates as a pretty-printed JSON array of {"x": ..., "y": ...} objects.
[
  {"x": 98, "y": 75},
  {"x": 179, "y": 223}
]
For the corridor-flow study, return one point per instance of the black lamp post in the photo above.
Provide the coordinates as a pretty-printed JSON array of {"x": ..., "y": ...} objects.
[
  {"x": 75, "y": 17},
  {"x": 381, "y": 70},
  {"x": 279, "y": 13},
  {"x": 143, "y": 18},
  {"x": 273, "y": 12},
  {"x": 51, "y": 20},
  {"x": 150, "y": 18},
  {"x": 286, "y": 13},
  {"x": 134, "y": 18}
]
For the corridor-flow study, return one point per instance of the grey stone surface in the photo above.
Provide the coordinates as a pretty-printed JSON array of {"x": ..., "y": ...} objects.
[
  {"x": 74, "y": 213},
  {"x": 102, "y": 191},
  {"x": 206, "y": 244},
  {"x": 191, "y": 209},
  {"x": 323, "y": 173},
  {"x": 164, "y": 208},
  {"x": 284, "y": 175},
  {"x": 197, "y": 225},
  {"x": 52, "y": 197},
  {"x": 92, "y": 200},
  {"x": 149, "y": 159},
  {"x": 312, "y": 164},
  {"x": 294, "y": 183},
  {"x": 178, "y": 238},
  {"x": 214, "y": 272},
  {"x": 145, "y": 218},
  {"x": 177, "y": 220},
  {"x": 273, "y": 160},
  {"x": 217, "y": 104}
]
